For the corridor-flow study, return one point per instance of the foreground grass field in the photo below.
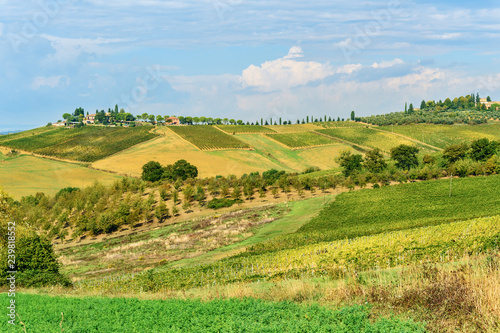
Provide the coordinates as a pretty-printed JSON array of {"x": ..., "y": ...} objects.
[
  {"x": 26, "y": 175},
  {"x": 43, "y": 314}
]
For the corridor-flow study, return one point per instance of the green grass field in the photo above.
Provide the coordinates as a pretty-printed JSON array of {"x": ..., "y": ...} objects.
[
  {"x": 245, "y": 129},
  {"x": 444, "y": 135},
  {"x": 43, "y": 314},
  {"x": 372, "y": 211},
  {"x": 301, "y": 139},
  {"x": 369, "y": 137},
  {"x": 208, "y": 137},
  {"x": 86, "y": 144}
]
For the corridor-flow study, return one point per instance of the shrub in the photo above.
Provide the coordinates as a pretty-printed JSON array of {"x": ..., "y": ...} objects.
[
  {"x": 36, "y": 264},
  {"x": 221, "y": 202}
]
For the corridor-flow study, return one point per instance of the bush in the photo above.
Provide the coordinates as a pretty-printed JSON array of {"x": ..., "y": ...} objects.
[
  {"x": 221, "y": 203},
  {"x": 36, "y": 264}
]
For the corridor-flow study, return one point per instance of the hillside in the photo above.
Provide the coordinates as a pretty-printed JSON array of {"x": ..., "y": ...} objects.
[{"x": 325, "y": 236}]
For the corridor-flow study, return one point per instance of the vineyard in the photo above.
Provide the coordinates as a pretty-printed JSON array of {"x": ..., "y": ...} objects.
[
  {"x": 245, "y": 129},
  {"x": 369, "y": 137},
  {"x": 444, "y": 135},
  {"x": 43, "y": 314},
  {"x": 208, "y": 137},
  {"x": 301, "y": 139},
  {"x": 395, "y": 208},
  {"x": 85, "y": 144}
]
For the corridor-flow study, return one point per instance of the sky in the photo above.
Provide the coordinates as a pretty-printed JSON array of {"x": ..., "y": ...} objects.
[{"x": 242, "y": 59}]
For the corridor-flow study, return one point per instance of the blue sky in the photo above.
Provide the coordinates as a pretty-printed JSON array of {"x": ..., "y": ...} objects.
[{"x": 239, "y": 58}]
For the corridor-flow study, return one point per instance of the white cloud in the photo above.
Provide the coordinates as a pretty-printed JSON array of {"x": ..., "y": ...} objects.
[
  {"x": 51, "y": 82},
  {"x": 68, "y": 49},
  {"x": 446, "y": 36},
  {"x": 387, "y": 64},
  {"x": 349, "y": 69},
  {"x": 285, "y": 73}
]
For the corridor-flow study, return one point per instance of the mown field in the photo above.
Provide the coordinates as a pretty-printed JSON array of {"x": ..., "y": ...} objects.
[
  {"x": 208, "y": 137},
  {"x": 43, "y": 314},
  {"x": 369, "y": 137},
  {"x": 301, "y": 139},
  {"x": 27, "y": 175},
  {"x": 444, "y": 135},
  {"x": 245, "y": 129},
  {"x": 170, "y": 147},
  {"x": 85, "y": 144}
]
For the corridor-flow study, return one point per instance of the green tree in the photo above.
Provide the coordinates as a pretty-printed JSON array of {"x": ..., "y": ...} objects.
[
  {"x": 405, "y": 156},
  {"x": 159, "y": 119},
  {"x": 410, "y": 109},
  {"x": 482, "y": 149},
  {"x": 152, "y": 171},
  {"x": 353, "y": 115},
  {"x": 423, "y": 105},
  {"x": 456, "y": 152},
  {"x": 182, "y": 169},
  {"x": 374, "y": 161},
  {"x": 350, "y": 163},
  {"x": 488, "y": 99}
]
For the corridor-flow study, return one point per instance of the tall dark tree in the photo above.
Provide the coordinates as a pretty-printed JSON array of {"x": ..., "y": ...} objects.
[
  {"x": 410, "y": 109},
  {"x": 353, "y": 115},
  {"x": 423, "y": 105}
]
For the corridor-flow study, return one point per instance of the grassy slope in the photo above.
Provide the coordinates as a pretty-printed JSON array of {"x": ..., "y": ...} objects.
[
  {"x": 300, "y": 213},
  {"x": 444, "y": 135},
  {"x": 374, "y": 211},
  {"x": 370, "y": 137},
  {"x": 25, "y": 175}
]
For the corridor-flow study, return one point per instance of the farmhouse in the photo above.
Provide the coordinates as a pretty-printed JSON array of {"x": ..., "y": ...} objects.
[
  {"x": 488, "y": 104},
  {"x": 172, "y": 121},
  {"x": 90, "y": 119}
]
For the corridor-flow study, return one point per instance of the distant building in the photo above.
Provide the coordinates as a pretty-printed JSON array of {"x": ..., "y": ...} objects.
[
  {"x": 90, "y": 119},
  {"x": 59, "y": 124},
  {"x": 174, "y": 121},
  {"x": 487, "y": 104}
]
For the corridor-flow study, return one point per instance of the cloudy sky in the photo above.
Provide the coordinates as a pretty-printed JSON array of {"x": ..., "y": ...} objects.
[{"x": 245, "y": 59}]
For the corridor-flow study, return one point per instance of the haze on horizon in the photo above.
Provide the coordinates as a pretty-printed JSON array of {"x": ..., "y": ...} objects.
[{"x": 241, "y": 59}]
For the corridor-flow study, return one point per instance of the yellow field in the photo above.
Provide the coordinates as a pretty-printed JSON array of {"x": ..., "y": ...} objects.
[
  {"x": 267, "y": 154},
  {"x": 26, "y": 175},
  {"x": 169, "y": 148}
]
